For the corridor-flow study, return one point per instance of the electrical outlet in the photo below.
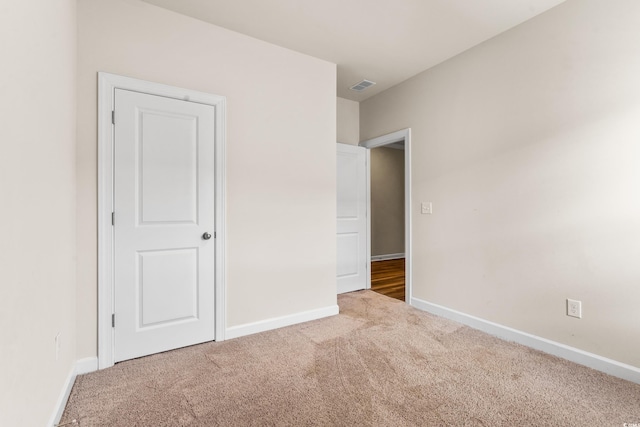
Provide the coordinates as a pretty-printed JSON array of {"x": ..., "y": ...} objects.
[
  {"x": 427, "y": 207},
  {"x": 574, "y": 308},
  {"x": 57, "y": 342}
]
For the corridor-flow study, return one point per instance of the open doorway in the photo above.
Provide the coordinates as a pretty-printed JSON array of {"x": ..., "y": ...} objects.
[
  {"x": 390, "y": 214},
  {"x": 387, "y": 220}
]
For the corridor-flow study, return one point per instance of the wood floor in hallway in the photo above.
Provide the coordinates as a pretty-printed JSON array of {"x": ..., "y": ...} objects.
[{"x": 387, "y": 278}]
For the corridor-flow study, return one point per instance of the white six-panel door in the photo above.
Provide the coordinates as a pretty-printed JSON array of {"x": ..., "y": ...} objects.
[
  {"x": 352, "y": 262},
  {"x": 164, "y": 201}
]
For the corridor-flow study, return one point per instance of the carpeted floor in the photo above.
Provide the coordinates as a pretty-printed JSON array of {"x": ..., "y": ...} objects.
[{"x": 378, "y": 363}]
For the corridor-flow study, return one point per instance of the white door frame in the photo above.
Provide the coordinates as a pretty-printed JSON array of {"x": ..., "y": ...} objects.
[
  {"x": 391, "y": 138},
  {"x": 107, "y": 83}
]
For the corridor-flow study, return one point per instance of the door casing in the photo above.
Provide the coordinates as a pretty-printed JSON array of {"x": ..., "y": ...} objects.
[
  {"x": 403, "y": 135},
  {"x": 107, "y": 83}
]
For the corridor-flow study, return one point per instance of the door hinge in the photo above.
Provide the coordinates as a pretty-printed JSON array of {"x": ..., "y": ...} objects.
[
  {"x": 113, "y": 218},
  {"x": 113, "y": 117},
  {"x": 113, "y": 320}
]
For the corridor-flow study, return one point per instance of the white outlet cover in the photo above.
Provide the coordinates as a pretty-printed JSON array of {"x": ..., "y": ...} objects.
[{"x": 574, "y": 308}]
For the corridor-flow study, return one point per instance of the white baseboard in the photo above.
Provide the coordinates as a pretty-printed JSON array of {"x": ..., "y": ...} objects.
[
  {"x": 86, "y": 365},
  {"x": 82, "y": 366},
  {"x": 62, "y": 399},
  {"x": 279, "y": 322},
  {"x": 599, "y": 363},
  {"x": 386, "y": 257}
]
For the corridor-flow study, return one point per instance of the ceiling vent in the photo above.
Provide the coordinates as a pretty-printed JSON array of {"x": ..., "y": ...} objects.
[{"x": 359, "y": 87}]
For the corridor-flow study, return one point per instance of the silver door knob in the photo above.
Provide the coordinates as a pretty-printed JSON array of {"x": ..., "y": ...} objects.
[{"x": 206, "y": 236}]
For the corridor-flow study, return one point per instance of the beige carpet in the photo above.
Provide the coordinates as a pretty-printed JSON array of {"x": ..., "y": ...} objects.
[{"x": 378, "y": 363}]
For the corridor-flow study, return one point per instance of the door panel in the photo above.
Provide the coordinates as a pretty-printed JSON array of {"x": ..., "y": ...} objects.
[
  {"x": 348, "y": 185},
  {"x": 348, "y": 254},
  {"x": 168, "y": 286},
  {"x": 164, "y": 203},
  {"x": 352, "y": 260},
  {"x": 168, "y": 143}
]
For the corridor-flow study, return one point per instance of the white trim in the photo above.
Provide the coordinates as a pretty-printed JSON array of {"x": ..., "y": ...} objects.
[
  {"x": 390, "y": 138},
  {"x": 386, "y": 257},
  {"x": 280, "y": 322},
  {"x": 403, "y": 135},
  {"x": 61, "y": 403},
  {"x": 86, "y": 365},
  {"x": 408, "y": 218},
  {"x": 82, "y": 366},
  {"x": 367, "y": 167},
  {"x": 107, "y": 83},
  {"x": 599, "y": 363}
]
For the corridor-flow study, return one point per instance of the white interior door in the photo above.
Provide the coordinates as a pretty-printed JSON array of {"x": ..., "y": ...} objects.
[
  {"x": 164, "y": 208},
  {"x": 352, "y": 218}
]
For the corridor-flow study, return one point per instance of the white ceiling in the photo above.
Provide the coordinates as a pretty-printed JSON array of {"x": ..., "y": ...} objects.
[{"x": 386, "y": 41}]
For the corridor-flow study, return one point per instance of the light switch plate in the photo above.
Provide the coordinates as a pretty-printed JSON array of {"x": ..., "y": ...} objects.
[{"x": 427, "y": 207}]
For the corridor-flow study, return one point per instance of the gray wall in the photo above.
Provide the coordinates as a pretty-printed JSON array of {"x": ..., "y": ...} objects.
[
  {"x": 38, "y": 213},
  {"x": 528, "y": 145},
  {"x": 280, "y": 153},
  {"x": 387, "y": 201},
  {"x": 347, "y": 121}
]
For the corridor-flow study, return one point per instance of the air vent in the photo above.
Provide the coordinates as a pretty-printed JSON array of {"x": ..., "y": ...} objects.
[{"x": 359, "y": 87}]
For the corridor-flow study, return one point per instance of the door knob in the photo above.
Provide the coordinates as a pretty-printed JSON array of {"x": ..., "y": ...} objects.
[{"x": 206, "y": 236}]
